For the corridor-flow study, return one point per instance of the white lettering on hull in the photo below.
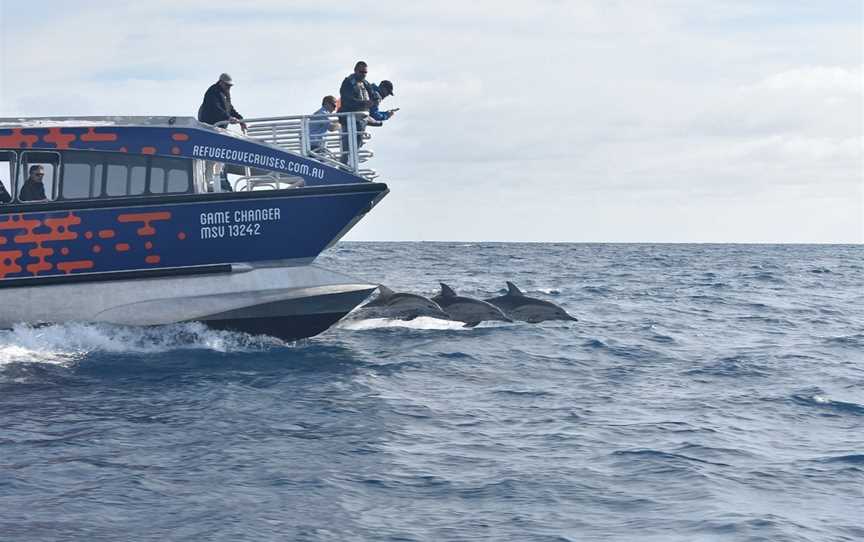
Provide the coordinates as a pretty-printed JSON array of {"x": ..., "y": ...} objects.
[{"x": 240, "y": 223}]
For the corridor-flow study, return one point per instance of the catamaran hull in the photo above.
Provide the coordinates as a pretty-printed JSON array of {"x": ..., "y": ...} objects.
[{"x": 288, "y": 302}]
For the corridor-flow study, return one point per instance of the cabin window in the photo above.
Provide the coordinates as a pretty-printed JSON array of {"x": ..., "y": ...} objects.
[
  {"x": 50, "y": 163},
  {"x": 7, "y": 174},
  {"x": 170, "y": 176},
  {"x": 118, "y": 175},
  {"x": 125, "y": 175},
  {"x": 137, "y": 179},
  {"x": 82, "y": 175}
]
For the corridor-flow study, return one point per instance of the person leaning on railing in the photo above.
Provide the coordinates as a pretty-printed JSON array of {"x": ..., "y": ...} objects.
[
  {"x": 217, "y": 106},
  {"x": 355, "y": 94},
  {"x": 379, "y": 92},
  {"x": 320, "y": 124}
]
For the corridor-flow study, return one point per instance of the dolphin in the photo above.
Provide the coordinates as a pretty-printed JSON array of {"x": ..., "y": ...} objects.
[
  {"x": 400, "y": 306},
  {"x": 520, "y": 307},
  {"x": 468, "y": 310}
]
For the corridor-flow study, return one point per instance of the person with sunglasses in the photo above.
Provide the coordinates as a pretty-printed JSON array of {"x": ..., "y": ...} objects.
[{"x": 33, "y": 188}]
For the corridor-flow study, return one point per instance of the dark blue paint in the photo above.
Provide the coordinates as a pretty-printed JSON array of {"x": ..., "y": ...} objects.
[{"x": 305, "y": 226}]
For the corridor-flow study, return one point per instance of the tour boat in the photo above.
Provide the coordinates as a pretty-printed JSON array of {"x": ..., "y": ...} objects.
[{"x": 159, "y": 220}]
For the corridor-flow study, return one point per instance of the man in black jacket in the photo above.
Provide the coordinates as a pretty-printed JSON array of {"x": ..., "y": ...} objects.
[
  {"x": 355, "y": 94},
  {"x": 217, "y": 107},
  {"x": 33, "y": 188}
]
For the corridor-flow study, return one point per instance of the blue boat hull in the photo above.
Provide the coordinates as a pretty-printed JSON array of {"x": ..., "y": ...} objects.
[{"x": 130, "y": 237}]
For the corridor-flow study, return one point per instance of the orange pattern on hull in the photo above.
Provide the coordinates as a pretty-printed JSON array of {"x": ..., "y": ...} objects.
[
  {"x": 146, "y": 218},
  {"x": 68, "y": 267},
  {"x": 92, "y": 137},
  {"x": 17, "y": 140},
  {"x": 9, "y": 262},
  {"x": 59, "y": 229},
  {"x": 147, "y": 229},
  {"x": 59, "y": 139}
]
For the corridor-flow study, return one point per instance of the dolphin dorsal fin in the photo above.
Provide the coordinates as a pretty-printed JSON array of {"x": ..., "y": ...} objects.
[
  {"x": 512, "y": 289},
  {"x": 447, "y": 291},
  {"x": 385, "y": 292}
]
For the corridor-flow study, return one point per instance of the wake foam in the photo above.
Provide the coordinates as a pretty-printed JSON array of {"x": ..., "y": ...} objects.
[
  {"x": 65, "y": 343},
  {"x": 422, "y": 322}
]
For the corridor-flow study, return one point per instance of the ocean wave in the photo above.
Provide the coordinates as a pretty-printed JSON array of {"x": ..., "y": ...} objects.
[
  {"x": 549, "y": 291},
  {"x": 764, "y": 276},
  {"x": 600, "y": 290},
  {"x": 852, "y": 459},
  {"x": 665, "y": 457},
  {"x": 66, "y": 343},
  {"x": 733, "y": 367},
  {"x": 820, "y": 401},
  {"x": 856, "y": 340}
]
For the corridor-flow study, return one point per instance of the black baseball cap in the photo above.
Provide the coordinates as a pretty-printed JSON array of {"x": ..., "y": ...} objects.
[{"x": 386, "y": 86}]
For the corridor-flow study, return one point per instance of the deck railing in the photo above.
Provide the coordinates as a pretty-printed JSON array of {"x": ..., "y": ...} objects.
[{"x": 292, "y": 134}]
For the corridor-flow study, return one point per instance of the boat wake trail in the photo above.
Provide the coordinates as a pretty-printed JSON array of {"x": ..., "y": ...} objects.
[
  {"x": 64, "y": 344},
  {"x": 421, "y": 322}
]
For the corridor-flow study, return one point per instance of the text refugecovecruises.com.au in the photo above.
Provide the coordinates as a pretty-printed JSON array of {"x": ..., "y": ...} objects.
[{"x": 255, "y": 159}]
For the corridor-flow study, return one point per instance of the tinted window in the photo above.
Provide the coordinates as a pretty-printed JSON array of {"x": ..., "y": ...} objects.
[
  {"x": 7, "y": 173},
  {"x": 50, "y": 162},
  {"x": 115, "y": 182},
  {"x": 81, "y": 176},
  {"x": 157, "y": 180},
  {"x": 77, "y": 181},
  {"x": 178, "y": 181},
  {"x": 170, "y": 176},
  {"x": 125, "y": 175},
  {"x": 137, "y": 180}
]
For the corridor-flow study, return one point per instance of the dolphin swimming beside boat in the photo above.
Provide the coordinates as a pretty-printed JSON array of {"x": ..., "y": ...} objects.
[
  {"x": 400, "y": 306},
  {"x": 518, "y": 306},
  {"x": 468, "y": 310}
]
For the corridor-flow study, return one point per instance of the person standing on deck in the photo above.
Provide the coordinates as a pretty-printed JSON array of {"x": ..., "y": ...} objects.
[
  {"x": 217, "y": 106},
  {"x": 320, "y": 124},
  {"x": 379, "y": 92},
  {"x": 355, "y": 95}
]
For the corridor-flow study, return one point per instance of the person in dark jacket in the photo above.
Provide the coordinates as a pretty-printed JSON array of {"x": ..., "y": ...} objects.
[
  {"x": 4, "y": 194},
  {"x": 355, "y": 94},
  {"x": 217, "y": 106},
  {"x": 33, "y": 188}
]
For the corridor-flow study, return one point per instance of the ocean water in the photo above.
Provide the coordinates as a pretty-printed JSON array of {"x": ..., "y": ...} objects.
[{"x": 708, "y": 392}]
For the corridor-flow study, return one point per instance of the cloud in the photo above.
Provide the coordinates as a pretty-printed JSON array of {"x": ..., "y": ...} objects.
[{"x": 553, "y": 110}]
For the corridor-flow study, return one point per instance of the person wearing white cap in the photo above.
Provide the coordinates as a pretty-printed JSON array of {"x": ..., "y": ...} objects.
[{"x": 217, "y": 106}]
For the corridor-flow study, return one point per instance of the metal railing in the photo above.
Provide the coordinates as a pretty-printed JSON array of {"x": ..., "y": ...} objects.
[{"x": 292, "y": 133}]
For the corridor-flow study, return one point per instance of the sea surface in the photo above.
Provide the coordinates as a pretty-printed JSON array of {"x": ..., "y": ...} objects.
[{"x": 708, "y": 392}]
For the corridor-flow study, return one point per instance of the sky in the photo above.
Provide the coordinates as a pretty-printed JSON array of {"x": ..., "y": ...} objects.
[{"x": 722, "y": 121}]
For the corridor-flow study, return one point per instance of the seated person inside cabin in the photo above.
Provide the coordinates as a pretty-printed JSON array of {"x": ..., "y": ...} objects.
[
  {"x": 33, "y": 188},
  {"x": 5, "y": 197},
  {"x": 379, "y": 92},
  {"x": 320, "y": 124}
]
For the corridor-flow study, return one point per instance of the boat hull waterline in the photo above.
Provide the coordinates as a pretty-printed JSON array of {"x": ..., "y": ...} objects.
[{"x": 289, "y": 303}]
